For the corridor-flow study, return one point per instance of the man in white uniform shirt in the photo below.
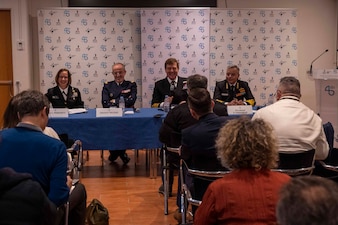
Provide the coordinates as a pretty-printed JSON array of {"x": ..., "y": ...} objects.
[{"x": 297, "y": 127}]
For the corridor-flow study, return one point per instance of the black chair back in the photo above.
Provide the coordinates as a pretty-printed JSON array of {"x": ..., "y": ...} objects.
[
  {"x": 329, "y": 133},
  {"x": 296, "y": 164},
  {"x": 296, "y": 160}
]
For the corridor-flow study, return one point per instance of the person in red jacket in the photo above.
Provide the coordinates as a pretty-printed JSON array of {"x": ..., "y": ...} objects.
[{"x": 249, "y": 193}]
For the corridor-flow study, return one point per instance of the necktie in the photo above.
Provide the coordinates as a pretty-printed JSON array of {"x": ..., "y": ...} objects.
[
  {"x": 233, "y": 92},
  {"x": 64, "y": 95},
  {"x": 172, "y": 85}
]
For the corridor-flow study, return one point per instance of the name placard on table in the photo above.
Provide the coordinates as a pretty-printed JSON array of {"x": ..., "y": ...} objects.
[
  {"x": 239, "y": 109},
  {"x": 109, "y": 112},
  {"x": 58, "y": 113}
]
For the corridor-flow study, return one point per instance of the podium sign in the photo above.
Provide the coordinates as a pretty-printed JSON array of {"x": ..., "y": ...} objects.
[{"x": 327, "y": 97}]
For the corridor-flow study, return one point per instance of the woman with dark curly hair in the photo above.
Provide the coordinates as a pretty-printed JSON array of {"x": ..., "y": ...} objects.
[{"x": 248, "y": 194}]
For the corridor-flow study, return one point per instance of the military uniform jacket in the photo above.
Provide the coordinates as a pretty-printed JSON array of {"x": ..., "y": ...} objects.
[
  {"x": 111, "y": 93},
  {"x": 73, "y": 100},
  {"x": 162, "y": 88},
  {"x": 224, "y": 93}
]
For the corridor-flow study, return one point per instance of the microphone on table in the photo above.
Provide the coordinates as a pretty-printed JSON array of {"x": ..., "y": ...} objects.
[{"x": 310, "y": 72}]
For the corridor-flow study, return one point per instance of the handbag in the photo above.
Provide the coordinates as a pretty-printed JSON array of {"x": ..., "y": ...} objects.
[{"x": 97, "y": 213}]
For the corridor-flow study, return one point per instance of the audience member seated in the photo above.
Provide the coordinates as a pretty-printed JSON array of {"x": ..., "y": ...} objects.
[
  {"x": 172, "y": 85},
  {"x": 249, "y": 193},
  {"x": 22, "y": 200},
  {"x": 176, "y": 120},
  {"x": 64, "y": 95},
  {"x": 111, "y": 93},
  {"x": 308, "y": 200},
  {"x": 233, "y": 91},
  {"x": 298, "y": 128},
  {"x": 198, "y": 141},
  {"x": 10, "y": 119},
  {"x": 49, "y": 164}
]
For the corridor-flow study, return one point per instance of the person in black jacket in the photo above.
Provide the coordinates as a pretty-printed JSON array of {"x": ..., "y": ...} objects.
[
  {"x": 64, "y": 95},
  {"x": 233, "y": 91},
  {"x": 172, "y": 85},
  {"x": 23, "y": 201},
  {"x": 111, "y": 93},
  {"x": 176, "y": 120}
]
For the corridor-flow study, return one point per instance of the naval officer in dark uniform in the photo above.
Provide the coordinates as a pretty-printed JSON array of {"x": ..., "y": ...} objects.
[
  {"x": 233, "y": 91},
  {"x": 64, "y": 95},
  {"x": 172, "y": 85},
  {"x": 111, "y": 93}
]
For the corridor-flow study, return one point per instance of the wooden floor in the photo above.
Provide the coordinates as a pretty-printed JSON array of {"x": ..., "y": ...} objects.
[{"x": 128, "y": 192}]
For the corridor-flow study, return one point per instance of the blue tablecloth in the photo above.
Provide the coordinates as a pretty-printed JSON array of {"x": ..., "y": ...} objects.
[{"x": 136, "y": 131}]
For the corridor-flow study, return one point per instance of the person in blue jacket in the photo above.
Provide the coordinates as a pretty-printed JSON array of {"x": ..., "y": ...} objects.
[
  {"x": 111, "y": 93},
  {"x": 26, "y": 149}
]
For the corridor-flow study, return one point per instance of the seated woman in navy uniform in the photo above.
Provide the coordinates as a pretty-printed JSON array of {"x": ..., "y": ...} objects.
[
  {"x": 111, "y": 93},
  {"x": 64, "y": 95}
]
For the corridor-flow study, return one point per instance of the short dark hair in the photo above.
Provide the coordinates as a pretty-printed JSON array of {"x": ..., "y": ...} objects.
[
  {"x": 171, "y": 61},
  {"x": 308, "y": 200},
  {"x": 290, "y": 86},
  {"x": 197, "y": 81},
  {"x": 30, "y": 102},
  {"x": 200, "y": 101},
  {"x": 58, "y": 75}
]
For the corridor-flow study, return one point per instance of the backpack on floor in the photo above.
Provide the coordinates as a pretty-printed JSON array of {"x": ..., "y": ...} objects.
[{"x": 97, "y": 213}]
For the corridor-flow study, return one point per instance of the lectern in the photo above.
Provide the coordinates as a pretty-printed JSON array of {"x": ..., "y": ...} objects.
[{"x": 326, "y": 81}]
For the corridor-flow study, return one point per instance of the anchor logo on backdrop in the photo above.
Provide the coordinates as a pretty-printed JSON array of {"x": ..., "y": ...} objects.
[{"x": 329, "y": 90}]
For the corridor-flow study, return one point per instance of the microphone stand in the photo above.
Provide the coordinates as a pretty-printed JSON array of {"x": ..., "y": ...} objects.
[{"x": 310, "y": 72}]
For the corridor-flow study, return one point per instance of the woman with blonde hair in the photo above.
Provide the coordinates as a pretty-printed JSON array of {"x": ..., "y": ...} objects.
[{"x": 248, "y": 194}]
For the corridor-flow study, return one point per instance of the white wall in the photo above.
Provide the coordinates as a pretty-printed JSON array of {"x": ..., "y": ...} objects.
[
  {"x": 317, "y": 28},
  {"x": 22, "y": 60}
]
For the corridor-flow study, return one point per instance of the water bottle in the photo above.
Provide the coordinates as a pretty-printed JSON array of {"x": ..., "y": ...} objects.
[
  {"x": 166, "y": 104},
  {"x": 122, "y": 104}
]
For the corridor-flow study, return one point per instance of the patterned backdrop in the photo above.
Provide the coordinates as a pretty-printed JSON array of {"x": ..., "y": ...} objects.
[{"x": 262, "y": 42}]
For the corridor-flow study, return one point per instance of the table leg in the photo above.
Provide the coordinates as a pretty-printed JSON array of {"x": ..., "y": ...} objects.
[
  {"x": 153, "y": 163},
  {"x": 102, "y": 158}
]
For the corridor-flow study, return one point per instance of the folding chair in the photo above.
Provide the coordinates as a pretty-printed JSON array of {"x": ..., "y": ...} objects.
[
  {"x": 175, "y": 140},
  {"x": 296, "y": 164},
  {"x": 166, "y": 175},
  {"x": 331, "y": 162},
  {"x": 75, "y": 163},
  {"x": 186, "y": 196}
]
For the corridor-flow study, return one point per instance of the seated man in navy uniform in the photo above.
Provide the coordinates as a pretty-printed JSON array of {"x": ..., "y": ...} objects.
[
  {"x": 233, "y": 91},
  {"x": 172, "y": 85},
  {"x": 111, "y": 93}
]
